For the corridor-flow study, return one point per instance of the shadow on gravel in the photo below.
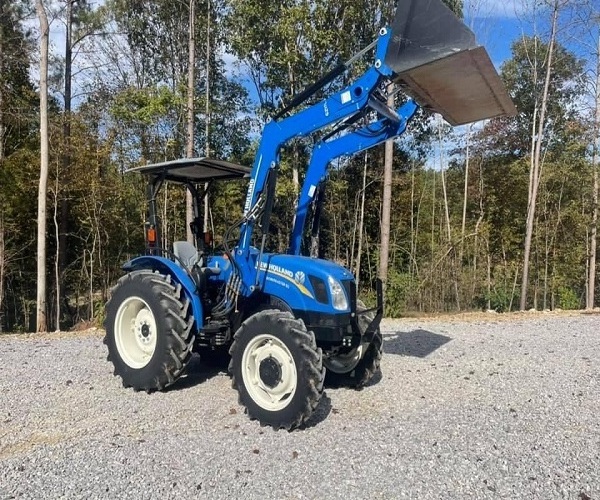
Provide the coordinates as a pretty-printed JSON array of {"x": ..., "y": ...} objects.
[
  {"x": 342, "y": 384},
  {"x": 196, "y": 373},
  {"x": 321, "y": 412},
  {"x": 418, "y": 343}
]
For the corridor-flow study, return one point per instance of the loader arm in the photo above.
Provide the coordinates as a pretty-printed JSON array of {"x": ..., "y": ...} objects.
[
  {"x": 345, "y": 104},
  {"x": 351, "y": 143}
]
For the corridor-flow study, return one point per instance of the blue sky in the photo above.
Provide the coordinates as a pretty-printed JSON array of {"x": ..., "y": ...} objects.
[
  {"x": 496, "y": 25},
  {"x": 497, "y": 39}
]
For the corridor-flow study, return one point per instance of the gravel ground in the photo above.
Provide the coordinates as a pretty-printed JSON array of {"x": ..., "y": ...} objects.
[{"x": 477, "y": 407}]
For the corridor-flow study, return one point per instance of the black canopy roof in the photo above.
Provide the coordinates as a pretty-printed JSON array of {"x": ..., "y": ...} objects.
[{"x": 194, "y": 170}]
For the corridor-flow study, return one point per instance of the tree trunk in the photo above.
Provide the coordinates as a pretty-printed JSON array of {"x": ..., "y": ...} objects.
[
  {"x": 207, "y": 112},
  {"x": 361, "y": 220},
  {"x": 591, "y": 282},
  {"x": 61, "y": 243},
  {"x": 444, "y": 192},
  {"x": 465, "y": 196},
  {"x": 388, "y": 162},
  {"x": 189, "y": 210},
  {"x": 477, "y": 227},
  {"x": 56, "y": 260},
  {"x": 2, "y": 126},
  {"x": 41, "y": 318},
  {"x": 536, "y": 167},
  {"x": 91, "y": 283},
  {"x": 454, "y": 269},
  {"x": 2, "y": 134},
  {"x": 413, "y": 236},
  {"x": 295, "y": 146},
  {"x": 3, "y": 259},
  {"x": 356, "y": 212},
  {"x": 546, "y": 268},
  {"x": 488, "y": 277}
]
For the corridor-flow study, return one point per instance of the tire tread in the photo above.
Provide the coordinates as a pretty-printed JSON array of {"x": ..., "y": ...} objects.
[
  {"x": 311, "y": 364},
  {"x": 179, "y": 331}
]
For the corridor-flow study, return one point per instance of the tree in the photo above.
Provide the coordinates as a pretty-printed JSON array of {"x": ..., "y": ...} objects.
[
  {"x": 591, "y": 285},
  {"x": 16, "y": 92},
  {"x": 386, "y": 209},
  {"x": 587, "y": 35},
  {"x": 42, "y": 324},
  {"x": 287, "y": 46},
  {"x": 513, "y": 143},
  {"x": 18, "y": 139},
  {"x": 190, "y": 111},
  {"x": 537, "y": 138}
]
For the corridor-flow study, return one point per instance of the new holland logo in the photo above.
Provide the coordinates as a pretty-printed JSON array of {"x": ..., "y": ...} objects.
[
  {"x": 297, "y": 279},
  {"x": 300, "y": 277}
]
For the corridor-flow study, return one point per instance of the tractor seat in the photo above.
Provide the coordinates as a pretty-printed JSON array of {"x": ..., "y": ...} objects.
[{"x": 187, "y": 255}]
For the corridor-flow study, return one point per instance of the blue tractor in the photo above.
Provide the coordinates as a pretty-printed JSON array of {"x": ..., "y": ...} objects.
[{"x": 286, "y": 320}]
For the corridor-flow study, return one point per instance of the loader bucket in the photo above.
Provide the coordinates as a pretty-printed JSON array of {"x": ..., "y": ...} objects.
[{"x": 437, "y": 60}]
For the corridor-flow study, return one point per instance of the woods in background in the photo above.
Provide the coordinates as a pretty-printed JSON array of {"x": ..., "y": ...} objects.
[{"x": 500, "y": 215}]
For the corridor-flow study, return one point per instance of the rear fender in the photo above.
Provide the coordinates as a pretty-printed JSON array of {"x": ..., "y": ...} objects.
[{"x": 177, "y": 273}]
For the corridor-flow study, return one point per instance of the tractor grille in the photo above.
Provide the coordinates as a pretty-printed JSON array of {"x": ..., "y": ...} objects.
[{"x": 320, "y": 289}]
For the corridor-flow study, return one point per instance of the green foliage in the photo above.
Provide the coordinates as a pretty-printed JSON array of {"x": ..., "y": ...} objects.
[
  {"x": 144, "y": 106},
  {"x": 399, "y": 291},
  {"x": 499, "y": 299},
  {"x": 524, "y": 76},
  {"x": 288, "y": 45},
  {"x": 19, "y": 166},
  {"x": 133, "y": 110},
  {"x": 568, "y": 299},
  {"x": 100, "y": 312},
  {"x": 17, "y": 96}
]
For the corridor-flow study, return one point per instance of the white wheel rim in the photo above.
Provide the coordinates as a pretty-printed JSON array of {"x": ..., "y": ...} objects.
[
  {"x": 135, "y": 332},
  {"x": 269, "y": 351},
  {"x": 344, "y": 363}
]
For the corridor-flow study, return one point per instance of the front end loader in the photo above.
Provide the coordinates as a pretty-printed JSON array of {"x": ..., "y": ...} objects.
[{"x": 285, "y": 320}]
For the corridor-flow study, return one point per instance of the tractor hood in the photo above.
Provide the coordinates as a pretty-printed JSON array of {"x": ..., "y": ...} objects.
[
  {"x": 294, "y": 263},
  {"x": 302, "y": 282},
  {"x": 436, "y": 59}
]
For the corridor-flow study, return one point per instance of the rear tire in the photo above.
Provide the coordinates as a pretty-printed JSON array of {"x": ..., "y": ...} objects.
[
  {"x": 277, "y": 369},
  {"x": 355, "y": 369},
  {"x": 148, "y": 330}
]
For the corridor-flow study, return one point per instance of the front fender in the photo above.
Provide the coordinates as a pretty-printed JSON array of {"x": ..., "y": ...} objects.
[{"x": 180, "y": 275}]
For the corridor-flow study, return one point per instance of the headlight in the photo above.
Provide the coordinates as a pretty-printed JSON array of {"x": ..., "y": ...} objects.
[{"x": 338, "y": 296}]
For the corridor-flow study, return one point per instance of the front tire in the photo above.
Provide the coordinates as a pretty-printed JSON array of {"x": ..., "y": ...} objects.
[
  {"x": 148, "y": 330},
  {"x": 356, "y": 368},
  {"x": 277, "y": 369}
]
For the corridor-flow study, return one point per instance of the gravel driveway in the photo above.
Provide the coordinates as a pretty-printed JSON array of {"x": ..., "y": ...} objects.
[{"x": 481, "y": 407}]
